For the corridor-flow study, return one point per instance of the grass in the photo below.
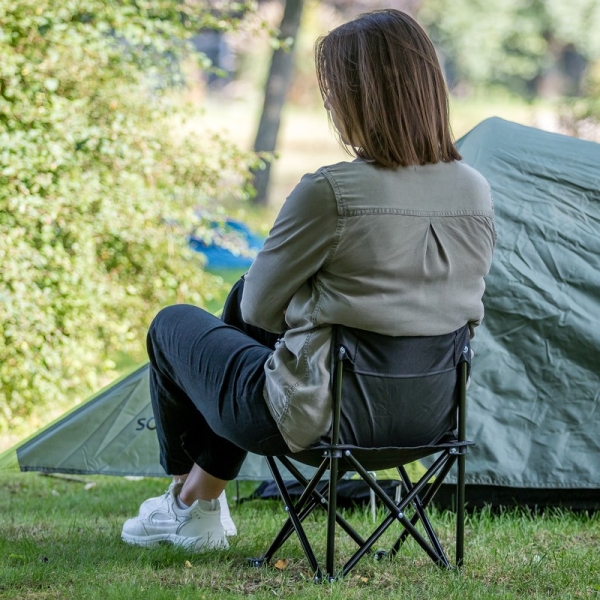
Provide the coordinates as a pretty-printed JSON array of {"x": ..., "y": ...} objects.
[{"x": 61, "y": 539}]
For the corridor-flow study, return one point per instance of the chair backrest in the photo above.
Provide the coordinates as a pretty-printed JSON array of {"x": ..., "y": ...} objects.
[{"x": 397, "y": 390}]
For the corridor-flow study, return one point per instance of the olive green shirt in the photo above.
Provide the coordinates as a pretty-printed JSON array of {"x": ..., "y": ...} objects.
[{"x": 401, "y": 252}]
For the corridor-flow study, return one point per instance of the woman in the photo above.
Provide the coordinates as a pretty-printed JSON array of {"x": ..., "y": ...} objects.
[{"x": 396, "y": 242}]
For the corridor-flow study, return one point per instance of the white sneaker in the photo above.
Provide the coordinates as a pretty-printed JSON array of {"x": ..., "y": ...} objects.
[
  {"x": 147, "y": 506},
  {"x": 152, "y": 503},
  {"x": 226, "y": 520},
  {"x": 196, "y": 528}
]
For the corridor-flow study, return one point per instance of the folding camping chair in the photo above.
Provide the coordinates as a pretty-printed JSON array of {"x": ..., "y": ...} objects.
[{"x": 366, "y": 366}]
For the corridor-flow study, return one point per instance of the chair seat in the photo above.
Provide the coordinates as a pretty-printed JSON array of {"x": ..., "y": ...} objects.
[{"x": 377, "y": 459}]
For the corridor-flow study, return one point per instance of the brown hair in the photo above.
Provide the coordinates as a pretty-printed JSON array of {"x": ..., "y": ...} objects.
[{"x": 381, "y": 76}]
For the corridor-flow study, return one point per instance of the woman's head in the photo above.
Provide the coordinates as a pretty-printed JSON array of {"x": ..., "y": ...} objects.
[{"x": 380, "y": 77}]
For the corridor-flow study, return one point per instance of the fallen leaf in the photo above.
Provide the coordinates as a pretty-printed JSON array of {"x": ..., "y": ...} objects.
[
  {"x": 364, "y": 579},
  {"x": 188, "y": 564},
  {"x": 281, "y": 564},
  {"x": 90, "y": 485}
]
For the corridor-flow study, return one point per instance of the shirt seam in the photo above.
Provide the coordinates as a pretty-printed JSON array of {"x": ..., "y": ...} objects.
[
  {"x": 338, "y": 222},
  {"x": 355, "y": 212},
  {"x": 339, "y": 226}
]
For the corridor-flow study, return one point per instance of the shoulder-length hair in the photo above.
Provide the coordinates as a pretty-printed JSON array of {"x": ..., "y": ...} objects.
[{"x": 381, "y": 76}]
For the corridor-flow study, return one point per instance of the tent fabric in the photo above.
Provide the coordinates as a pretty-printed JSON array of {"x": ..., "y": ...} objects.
[
  {"x": 111, "y": 433},
  {"x": 534, "y": 402}
]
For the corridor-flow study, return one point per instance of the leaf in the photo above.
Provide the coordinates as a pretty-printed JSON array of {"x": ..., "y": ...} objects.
[
  {"x": 188, "y": 564},
  {"x": 281, "y": 564}
]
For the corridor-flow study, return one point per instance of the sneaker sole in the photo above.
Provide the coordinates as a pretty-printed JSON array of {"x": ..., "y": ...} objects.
[
  {"x": 229, "y": 527},
  {"x": 199, "y": 544}
]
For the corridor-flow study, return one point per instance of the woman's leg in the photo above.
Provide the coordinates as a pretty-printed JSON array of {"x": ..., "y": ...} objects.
[
  {"x": 207, "y": 381},
  {"x": 200, "y": 484}
]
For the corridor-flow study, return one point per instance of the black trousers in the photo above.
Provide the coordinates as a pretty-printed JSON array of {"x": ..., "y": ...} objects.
[{"x": 206, "y": 385}]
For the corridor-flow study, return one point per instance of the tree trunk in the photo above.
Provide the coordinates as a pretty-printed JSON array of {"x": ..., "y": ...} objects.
[{"x": 276, "y": 88}]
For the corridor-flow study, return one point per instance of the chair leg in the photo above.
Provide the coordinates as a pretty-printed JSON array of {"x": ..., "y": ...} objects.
[
  {"x": 460, "y": 481},
  {"x": 331, "y": 513},
  {"x": 398, "y": 511},
  {"x": 326, "y": 498},
  {"x": 460, "y": 511},
  {"x": 420, "y": 515},
  {"x": 366, "y": 547},
  {"x": 307, "y": 502},
  {"x": 439, "y": 470},
  {"x": 322, "y": 501},
  {"x": 296, "y": 522},
  {"x": 286, "y": 531}
]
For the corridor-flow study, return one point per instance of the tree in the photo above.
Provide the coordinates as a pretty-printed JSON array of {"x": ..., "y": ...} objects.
[
  {"x": 518, "y": 43},
  {"x": 278, "y": 83},
  {"x": 99, "y": 184},
  {"x": 282, "y": 71}
]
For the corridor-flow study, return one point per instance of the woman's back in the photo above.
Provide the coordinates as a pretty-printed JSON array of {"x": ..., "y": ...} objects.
[
  {"x": 401, "y": 252},
  {"x": 409, "y": 249}
]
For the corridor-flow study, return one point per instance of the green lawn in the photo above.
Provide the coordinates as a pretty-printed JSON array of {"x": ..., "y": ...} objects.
[{"x": 61, "y": 540}]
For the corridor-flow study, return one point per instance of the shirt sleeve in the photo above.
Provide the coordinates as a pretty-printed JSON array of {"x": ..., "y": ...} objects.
[{"x": 298, "y": 245}]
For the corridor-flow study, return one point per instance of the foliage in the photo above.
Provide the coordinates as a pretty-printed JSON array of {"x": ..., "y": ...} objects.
[
  {"x": 581, "y": 116},
  {"x": 511, "y": 41},
  {"x": 100, "y": 179}
]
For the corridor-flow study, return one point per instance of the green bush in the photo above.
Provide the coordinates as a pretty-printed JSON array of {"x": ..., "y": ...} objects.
[{"x": 99, "y": 181}]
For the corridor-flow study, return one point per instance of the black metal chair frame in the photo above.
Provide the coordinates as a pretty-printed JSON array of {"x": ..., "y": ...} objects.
[{"x": 339, "y": 459}]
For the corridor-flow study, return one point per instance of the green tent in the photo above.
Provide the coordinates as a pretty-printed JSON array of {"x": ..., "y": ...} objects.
[
  {"x": 112, "y": 433},
  {"x": 535, "y": 401},
  {"x": 535, "y": 395}
]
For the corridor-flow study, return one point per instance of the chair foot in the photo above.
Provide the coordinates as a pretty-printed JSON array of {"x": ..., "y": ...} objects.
[
  {"x": 256, "y": 562},
  {"x": 380, "y": 555},
  {"x": 318, "y": 578}
]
